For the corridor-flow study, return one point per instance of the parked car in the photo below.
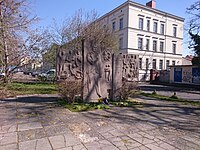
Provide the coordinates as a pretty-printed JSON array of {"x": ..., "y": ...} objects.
[
  {"x": 35, "y": 73},
  {"x": 27, "y": 72},
  {"x": 49, "y": 75},
  {"x": 2, "y": 75}
]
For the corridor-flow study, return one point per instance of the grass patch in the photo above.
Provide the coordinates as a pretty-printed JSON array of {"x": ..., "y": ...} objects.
[
  {"x": 30, "y": 88},
  {"x": 128, "y": 103},
  {"x": 79, "y": 107},
  {"x": 173, "y": 98}
]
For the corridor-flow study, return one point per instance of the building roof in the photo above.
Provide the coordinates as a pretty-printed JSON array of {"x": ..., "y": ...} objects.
[{"x": 129, "y": 2}]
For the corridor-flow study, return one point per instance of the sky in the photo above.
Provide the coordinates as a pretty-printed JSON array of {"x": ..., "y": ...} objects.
[{"x": 47, "y": 10}]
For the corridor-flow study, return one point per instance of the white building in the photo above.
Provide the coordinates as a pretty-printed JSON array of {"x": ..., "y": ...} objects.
[{"x": 155, "y": 35}]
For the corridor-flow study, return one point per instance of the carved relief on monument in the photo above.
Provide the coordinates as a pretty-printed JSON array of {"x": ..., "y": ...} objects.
[
  {"x": 70, "y": 64},
  {"x": 107, "y": 64},
  {"x": 93, "y": 71},
  {"x": 103, "y": 73},
  {"x": 129, "y": 67}
]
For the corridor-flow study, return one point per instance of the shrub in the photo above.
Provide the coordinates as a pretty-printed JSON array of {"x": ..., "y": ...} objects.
[
  {"x": 154, "y": 92},
  {"x": 174, "y": 96},
  {"x": 126, "y": 90},
  {"x": 70, "y": 89}
]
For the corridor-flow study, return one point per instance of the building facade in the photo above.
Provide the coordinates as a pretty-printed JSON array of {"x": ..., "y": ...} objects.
[{"x": 155, "y": 35}]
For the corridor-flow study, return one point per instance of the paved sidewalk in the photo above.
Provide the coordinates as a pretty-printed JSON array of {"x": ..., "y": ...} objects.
[
  {"x": 182, "y": 92},
  {"x": 37, "y": 123}
]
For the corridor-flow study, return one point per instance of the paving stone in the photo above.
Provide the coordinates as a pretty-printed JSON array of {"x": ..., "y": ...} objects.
[
  {"x": 107, "y": 135},
  {"x": 143, "y": 139},
  {"x": 124, "y": 142},
  {"x": 57, "y": 141},
  {"x": 85, "y": 138},
  {"x": 105, "y": 145},
  {"x": 105, "y": 129},
  {"x": 154, "y": 147},
  {"x": 56, "y": 130},
  {"x": 27, "y": 145},
  {"x": 116, "y": 133},
  {"x": 182, "y": 144},
  {"x": 8, "y": 138},
  {"x": 71, "y": 140},
  {"x": 163, "y": 145},
  {"x": 142, "y": 148},
  {"x": 31, "y": 134},
  {"x": 43, "y": 144},
  {"x": 8, "y": 128},
  {"x": 66, "y": 148},
  {"x": 9, "y": 147},
  {"x": 79, "y": 147},
  {"x": 29, "y": 126}
]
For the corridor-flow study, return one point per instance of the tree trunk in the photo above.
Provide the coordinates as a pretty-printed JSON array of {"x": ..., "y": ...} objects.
[{"x": 5, "y": 48}]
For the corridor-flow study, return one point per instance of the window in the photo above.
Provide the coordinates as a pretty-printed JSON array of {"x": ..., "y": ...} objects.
[
  {"x": 154, "y": 64},
  {"x": 120, "y": 43},
  {"x": 162, "y": 28},
  {"x": 161, "y": 64},
  {"x": 174, "y": 48},
  {"x": 155, "y": 27},
  {"x": 167, "y": 64},
  {"x": 173, "y": 63},
  {"x": 141, "y": 23},
  {"x": 174, "y": 31},
  {"x": 148, "y": 25},
  {"x": 121, "y": 24},
  {"x": 147, "y": 44},
  {"x": 161, "y": 46},
  {"x": 140, "y": 43},
  {"x": 140, "y": 63},
  {"x": 113, "y": 26},
  {"x": 155, "y": 45},
  {"x": 147, "y": 63}
]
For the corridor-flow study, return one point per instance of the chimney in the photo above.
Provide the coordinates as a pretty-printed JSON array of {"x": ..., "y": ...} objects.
[{"x": 151, "y": 4}]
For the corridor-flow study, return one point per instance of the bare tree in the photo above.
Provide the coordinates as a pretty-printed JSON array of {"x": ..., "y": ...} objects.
[
  {"x": 194, "y": 29},
  {"x": 194, "y": 13},
  {"x": 17, "y": 40},
  {"x": 81, "y": 26}
]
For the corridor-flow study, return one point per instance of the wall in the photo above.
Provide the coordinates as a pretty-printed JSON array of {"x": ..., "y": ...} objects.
[{"x": 185, "y": 75}]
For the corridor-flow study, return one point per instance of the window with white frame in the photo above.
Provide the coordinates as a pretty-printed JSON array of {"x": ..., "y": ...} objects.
[
  {"x": 173, "y": 63},
  {"x": 121, "y": 23},
  {"x": 121, "y": 43},
  {"x": 114, "y": 26},
  {"x": 167, "y": 64},
  {"x": 140, "y": 43},
  {"x": 147, "y": 63},
  {"x": 141, "y": 21},
  {"x": 162, "y": 28},
  {"x": 140, "y": 63},
  {"x": 154, "y": 64},
  {"x": 174, "y": 48},
  {"x": 148, "y": 25},
  {"x": 147, "y": 44},
  {"x": 161, "y": 64},
  {"x": 154, "y": 45},
  {"x": 155, "y": 27},
  {"x": 174, "y": 31},
  {"x": 161, "y": 46}
]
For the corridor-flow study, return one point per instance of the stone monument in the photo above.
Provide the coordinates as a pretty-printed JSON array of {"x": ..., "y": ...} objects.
[{"x": 100, "y": 71}]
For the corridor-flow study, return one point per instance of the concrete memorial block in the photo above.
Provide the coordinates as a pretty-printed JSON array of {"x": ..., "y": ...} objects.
[
  {"x": 97, "y": 71},
  {"x": 100, "y": 71},
  {"x": 125, "y": 69},
  {"x": 69, "y": 64}
]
